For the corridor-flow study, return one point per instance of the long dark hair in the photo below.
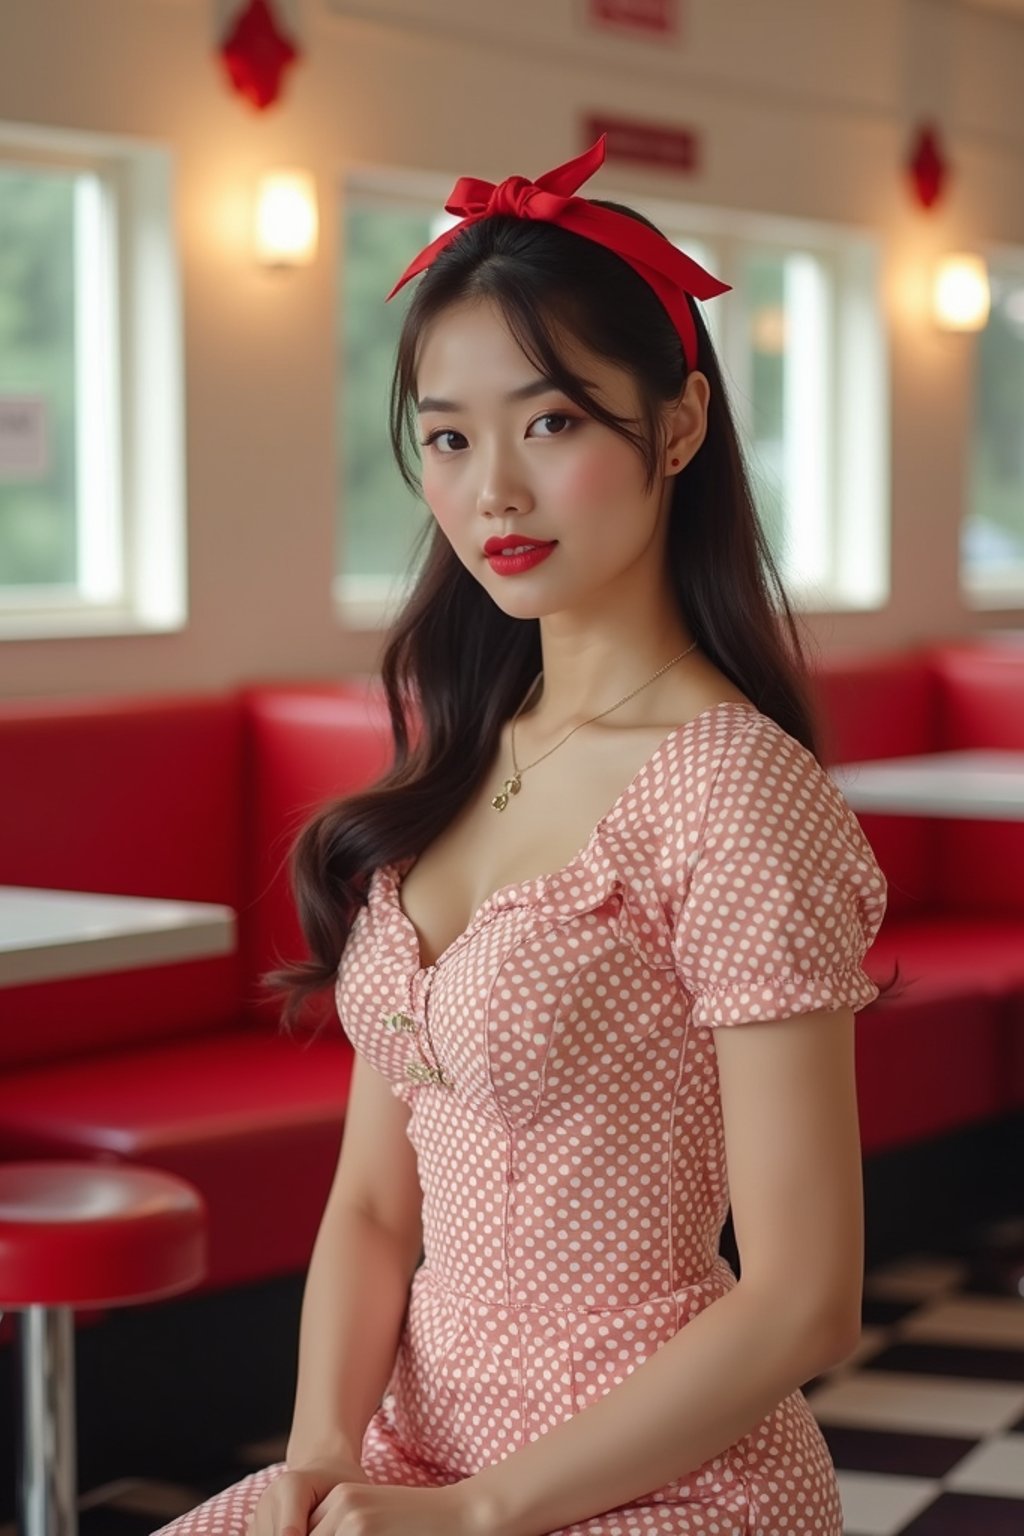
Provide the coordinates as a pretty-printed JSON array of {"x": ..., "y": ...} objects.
[{"x": 725, "y": 579}]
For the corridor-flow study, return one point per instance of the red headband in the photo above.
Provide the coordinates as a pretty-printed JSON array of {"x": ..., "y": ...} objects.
[{"x": 669, "y": 271}]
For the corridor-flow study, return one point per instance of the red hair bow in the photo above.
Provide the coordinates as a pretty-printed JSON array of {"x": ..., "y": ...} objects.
[{"x": 668, "y": 270}]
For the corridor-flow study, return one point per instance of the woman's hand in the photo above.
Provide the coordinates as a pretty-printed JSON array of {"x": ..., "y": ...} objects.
[
  {"x": 286, "y": 1507},
  {"x": 381, "y": 1509}
]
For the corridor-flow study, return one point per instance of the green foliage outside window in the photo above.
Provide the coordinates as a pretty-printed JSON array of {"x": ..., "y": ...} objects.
[
  {"x": 994, "y": 530},
  {"x": 38, "y": 532},
  {"x": 378, "y": 518}
]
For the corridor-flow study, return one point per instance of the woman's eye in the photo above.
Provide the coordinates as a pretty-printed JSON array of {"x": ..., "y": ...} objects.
[
  {"x": 554, "y": 416},
  {"x": 440, "y": 432},
  {"x": 549, "y": 416}
]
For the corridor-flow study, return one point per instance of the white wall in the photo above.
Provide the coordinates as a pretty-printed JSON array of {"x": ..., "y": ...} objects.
[{"x": 804, "y": 107}]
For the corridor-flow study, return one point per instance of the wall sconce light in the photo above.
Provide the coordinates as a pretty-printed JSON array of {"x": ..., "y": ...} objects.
[
  {"x": 960, "y": 298},
  {"x": 287, "y": 222}
]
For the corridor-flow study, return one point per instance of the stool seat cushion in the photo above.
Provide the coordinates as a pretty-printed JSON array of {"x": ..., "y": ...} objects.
[{"x": 91, "y": 1234}]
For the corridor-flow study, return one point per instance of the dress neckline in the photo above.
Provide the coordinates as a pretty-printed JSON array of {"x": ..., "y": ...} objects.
[{"x": 393, "y": 874}]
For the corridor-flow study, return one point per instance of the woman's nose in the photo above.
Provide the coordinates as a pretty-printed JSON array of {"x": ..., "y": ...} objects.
[{"x": 502, "y": 487}]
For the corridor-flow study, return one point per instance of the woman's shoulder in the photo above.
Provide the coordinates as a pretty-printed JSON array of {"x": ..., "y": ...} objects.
[
  {"x": 760, "y": 788},
  {"x": 757, "y": 818},
  {"x": 750, "y": 755},
  {"x": 734, "y": 770}
]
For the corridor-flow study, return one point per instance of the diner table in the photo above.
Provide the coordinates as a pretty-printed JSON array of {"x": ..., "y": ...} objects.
[
  {"x": 980, "y": 784},
  {"x": 47, "y": 935},
  {"x": 985, "y": 785}
]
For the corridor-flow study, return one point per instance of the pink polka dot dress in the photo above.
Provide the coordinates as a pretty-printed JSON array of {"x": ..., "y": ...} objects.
[{"x": 561, "y": 1077}]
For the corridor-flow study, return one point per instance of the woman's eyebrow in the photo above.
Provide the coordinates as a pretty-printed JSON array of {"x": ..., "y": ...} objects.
[{"x": 524, "y": 392}]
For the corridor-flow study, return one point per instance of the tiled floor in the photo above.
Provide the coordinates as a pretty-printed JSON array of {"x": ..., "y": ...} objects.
[{"x": 925, "y": 1421}]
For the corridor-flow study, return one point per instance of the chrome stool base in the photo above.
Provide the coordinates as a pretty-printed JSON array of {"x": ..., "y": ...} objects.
[{"x": 47, "y": 1460}]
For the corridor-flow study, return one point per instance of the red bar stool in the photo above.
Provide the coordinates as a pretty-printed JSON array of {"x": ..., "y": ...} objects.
[{"x": 81, "y": 1234}]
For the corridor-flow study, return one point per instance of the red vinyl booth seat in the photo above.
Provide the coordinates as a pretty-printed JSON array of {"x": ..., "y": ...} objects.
[
  {"x": 199, "y": 796},
  {"x": 950, "y": 1051}
]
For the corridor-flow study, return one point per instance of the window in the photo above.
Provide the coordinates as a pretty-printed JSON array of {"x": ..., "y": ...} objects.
[
  {"x": 378, "y": 518},
  {"x": 801, "y": 342},
  {"x": 91, "y": 456},
  {"x": 38, "y": 534},
  {"x": 992, "y": 545}
]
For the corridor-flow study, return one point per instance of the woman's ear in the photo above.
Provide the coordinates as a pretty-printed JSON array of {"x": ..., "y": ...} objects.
[{"x": 686, "y": 423}]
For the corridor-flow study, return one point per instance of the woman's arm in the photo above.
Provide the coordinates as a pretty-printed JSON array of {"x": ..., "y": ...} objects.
[
  {"x": 793, "y": 1152},
  {"x": 366, "y": 1251}
]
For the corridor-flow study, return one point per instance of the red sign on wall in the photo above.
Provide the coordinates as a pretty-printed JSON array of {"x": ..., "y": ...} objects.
[
  {"x": 665, "y": 147},
  {"x": 660, "y": 17}
]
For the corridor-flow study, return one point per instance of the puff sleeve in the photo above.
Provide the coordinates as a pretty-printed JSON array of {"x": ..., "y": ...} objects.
[{"x": 782, "y": 893}]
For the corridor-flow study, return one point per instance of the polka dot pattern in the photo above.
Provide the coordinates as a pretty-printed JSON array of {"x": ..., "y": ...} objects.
[
  {"x": 784, "y": 895},
  {"x": 573, "y": 1168}
]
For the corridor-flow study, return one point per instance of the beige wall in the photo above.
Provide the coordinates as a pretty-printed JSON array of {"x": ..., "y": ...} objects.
[{"x": 803, "y": 106}]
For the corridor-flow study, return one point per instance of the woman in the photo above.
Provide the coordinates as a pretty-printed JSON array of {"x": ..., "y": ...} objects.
[{"x": 603, "y": 977}]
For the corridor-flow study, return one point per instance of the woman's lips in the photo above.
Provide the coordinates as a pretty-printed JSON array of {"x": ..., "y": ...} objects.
[{"x": 510, "y": 565}]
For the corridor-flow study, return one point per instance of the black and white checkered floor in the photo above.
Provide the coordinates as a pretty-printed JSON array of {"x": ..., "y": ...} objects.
[{"x": 925, "y": 1421}]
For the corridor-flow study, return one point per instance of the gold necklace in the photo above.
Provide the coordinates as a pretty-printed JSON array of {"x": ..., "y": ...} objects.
[{"x": 513, "y": 785}]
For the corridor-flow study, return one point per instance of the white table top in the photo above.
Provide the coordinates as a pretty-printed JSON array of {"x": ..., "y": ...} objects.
[
  {"x": 49, "y": 934},
  {"x": 978, "y": 785}
]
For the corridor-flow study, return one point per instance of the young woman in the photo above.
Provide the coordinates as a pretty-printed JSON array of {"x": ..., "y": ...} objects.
[{"x": 597, "y": 940}]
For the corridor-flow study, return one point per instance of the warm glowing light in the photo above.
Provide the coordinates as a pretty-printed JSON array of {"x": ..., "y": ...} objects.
[
  {"x": 961, "y": 296},
  {"x": 286, "y": 219},
  {"x": 769, "y": 327}
]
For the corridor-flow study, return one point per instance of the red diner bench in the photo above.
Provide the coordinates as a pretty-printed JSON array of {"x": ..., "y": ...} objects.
[
  {"x": 198, "y": 796},
  {"x": 949, "y": 1052}
]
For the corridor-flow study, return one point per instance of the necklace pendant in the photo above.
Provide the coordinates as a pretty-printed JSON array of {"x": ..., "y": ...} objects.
[{"x": 511, "y": 787}]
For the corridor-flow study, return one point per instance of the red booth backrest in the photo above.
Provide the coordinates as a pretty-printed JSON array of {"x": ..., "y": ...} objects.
[
  {"x": 884, "y": 706},
  {"x": 200, "y": 797},
  {"x": 980, "y": 693},
  {"x": 305, "y": 745},
  {"x": 129, "y": 796}
]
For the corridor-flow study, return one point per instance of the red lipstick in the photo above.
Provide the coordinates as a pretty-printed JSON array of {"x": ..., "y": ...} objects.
[{"x": 530, "y": 553}]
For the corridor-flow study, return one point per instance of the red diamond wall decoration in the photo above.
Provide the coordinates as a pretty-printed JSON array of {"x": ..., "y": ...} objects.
[
  {"x": 928, "y": 167},
  {"x": 255, "y": 54}
]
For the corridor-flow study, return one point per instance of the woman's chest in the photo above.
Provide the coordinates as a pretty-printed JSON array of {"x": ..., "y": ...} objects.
[
  {"x": 532, "y": 832},
  {"x": 554, "y": 989}
]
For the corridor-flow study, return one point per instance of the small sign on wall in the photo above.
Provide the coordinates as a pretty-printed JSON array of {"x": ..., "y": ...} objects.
[
  {"x": 24, "y": 437},
  {"x": 649, "y": 18},
  {"x": 659, "y": 145}
]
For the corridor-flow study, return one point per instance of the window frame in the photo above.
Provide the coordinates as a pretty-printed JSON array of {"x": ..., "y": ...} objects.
[
  {"x": 854, "y": 574},
  {"x": 130, "y": 487},
  {"x": 1002, "y": 587}
]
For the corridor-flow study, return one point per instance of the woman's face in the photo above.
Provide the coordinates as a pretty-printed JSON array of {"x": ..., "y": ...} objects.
[{"x": 536, "y": 465}]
